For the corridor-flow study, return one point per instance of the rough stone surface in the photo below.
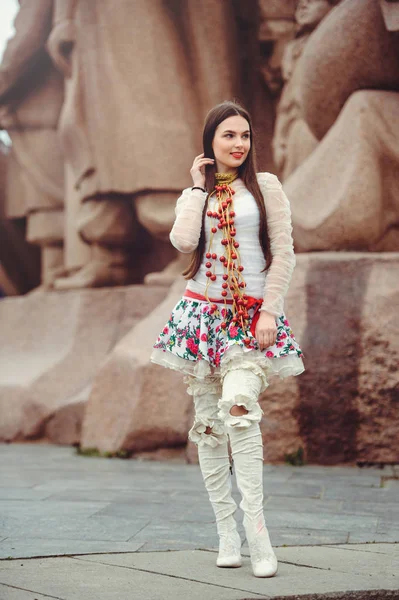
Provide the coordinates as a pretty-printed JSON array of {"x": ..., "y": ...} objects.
[
  {"x": 52, "y": 346},
  {"x": 345, "y": 195},
  {"x": 106, "y": 165},
  {"x": 341, "y": 409},
  {"x": 346, "y": 407},
  {"x": 275, "y": 9},
  {"x": 52, "y": 97},
  {"x": 31, "y": 95},
  {"x": 337, "y": 53},
  {"x": 134, "y": 404},
  {"x": 102, "y": 37},
  {"x": 65, "y": 426}
]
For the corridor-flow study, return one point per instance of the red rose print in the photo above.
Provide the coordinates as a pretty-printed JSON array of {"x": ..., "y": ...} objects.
[
  {"x": 283, "y": 335},
  {"x": 286, "y": 323},
  {"x": 197, "y": 331},
  {"x": 269, "y": 354},
  {"x": 192, "y": 346},
  {"x": 280, "y": 344},
  {"x": 165, "y": 330},
  {"x": 223, "y": 312},
  {"x": 204, "y": 337},
  {"x": 233, "y": 332},
  {"x": 217, "y": 328},
  {"x": 210, "y": 351},
  {"x": 217, "y": 358}
]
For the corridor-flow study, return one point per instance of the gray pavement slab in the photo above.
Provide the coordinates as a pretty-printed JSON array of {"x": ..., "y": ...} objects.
[
  {"x": 201, "y": 567},
  {"x": 22, "y": 493},
  {"x": 27, "y": 547},
  {"x": 322, "y": 521},
  {"x": 13, "y": 593},
  {"x": 388, "y": 549},
  {"x": 291, "y": 536},
  {"x": 74, "y": 579},
  {"x": 359, "y": 494},
  {"x": 387, "y": 526},
  {"x": 297, "y": 489},
  {"x": 305, "y": 504},
  {"x": 117, "y": 494},
  {"x": 177, "y": 575},
  {"x": 139, "y": 529},
  {"x": 69, "y": 497},
  {"x": 175, "y": 510},
  {"x": 359, "y": 537},
  {"x": 33, "y": 509},
  {"x": 162, "y": 534},
  {"x": 381, "y": 509},
  {"x": 72, "y": 528},
  {"x": 364, "y": 478},
  {"x": 347, "y": 559},
  {"x": 337, "y": 471}
]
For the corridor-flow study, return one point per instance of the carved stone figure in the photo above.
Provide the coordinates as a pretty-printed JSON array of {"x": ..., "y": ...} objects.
[
  {"x": 138, "y": 81},
  {"x": 293, "y": 141},
  {"x": 276, "y": 29},
  {"x": 345, "y": 195},
  {"x": 28, "y": 83}
]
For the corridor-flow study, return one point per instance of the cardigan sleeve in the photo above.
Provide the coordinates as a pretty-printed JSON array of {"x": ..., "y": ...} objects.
[
  {"x": 279, "y": 227},
  {"x": 186, "y": 229}
]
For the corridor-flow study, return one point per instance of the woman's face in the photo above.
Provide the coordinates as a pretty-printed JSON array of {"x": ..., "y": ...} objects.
[{"x": 231, "y": 143}]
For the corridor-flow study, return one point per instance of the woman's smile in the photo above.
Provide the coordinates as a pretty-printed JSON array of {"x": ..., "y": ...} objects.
[{"x": 231, "y": 143}]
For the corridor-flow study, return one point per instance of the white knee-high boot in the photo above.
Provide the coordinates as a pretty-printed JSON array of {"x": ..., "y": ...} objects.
[
  {"x": 215, "y": 468},
  {"x": 243, "y": 381},
  {"x": 247, "y": 451},
  {"x": 208, "y": 432}
]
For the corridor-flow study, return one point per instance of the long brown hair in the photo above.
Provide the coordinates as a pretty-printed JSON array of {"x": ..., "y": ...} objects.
[{"x": 246, "y": 171}]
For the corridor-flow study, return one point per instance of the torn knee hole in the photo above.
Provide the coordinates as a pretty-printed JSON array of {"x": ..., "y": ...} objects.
[{"x": 238, "y": 411}]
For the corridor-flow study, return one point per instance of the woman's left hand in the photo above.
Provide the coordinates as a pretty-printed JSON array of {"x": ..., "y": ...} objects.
[{"x": 266, "y": 330}]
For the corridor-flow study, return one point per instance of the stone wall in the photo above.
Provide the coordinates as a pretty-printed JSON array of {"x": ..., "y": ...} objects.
[{"x": 75, "y": 367}]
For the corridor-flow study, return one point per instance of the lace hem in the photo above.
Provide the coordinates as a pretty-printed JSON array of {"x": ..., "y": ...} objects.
[{"x": 282, "y": 367}]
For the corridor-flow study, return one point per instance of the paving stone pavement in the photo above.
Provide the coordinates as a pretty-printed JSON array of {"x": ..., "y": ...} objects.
[{"x": 74, "y": 527}]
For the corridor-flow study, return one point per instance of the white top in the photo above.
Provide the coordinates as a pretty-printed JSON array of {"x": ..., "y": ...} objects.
[{"x": 271, "y": 285}]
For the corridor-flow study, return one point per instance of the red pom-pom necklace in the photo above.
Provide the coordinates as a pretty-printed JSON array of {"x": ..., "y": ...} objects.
[{"x": 220, "y": 212}]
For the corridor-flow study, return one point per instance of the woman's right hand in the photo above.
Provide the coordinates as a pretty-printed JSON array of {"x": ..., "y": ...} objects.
[{"x": 197, "y": 171}]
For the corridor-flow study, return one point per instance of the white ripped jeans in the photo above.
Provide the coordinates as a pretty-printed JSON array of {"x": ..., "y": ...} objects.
[{"x": 241, "y": 382}]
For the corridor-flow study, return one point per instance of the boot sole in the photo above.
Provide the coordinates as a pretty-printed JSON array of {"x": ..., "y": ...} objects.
[
  {"x": 266, "y": 576},
  {"x": 232, "y": 565}
]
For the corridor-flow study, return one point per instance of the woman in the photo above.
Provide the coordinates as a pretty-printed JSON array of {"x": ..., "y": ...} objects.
[{"x": 228, "y": 334}]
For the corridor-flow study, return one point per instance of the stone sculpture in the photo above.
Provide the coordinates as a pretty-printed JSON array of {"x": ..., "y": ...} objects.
[
  {"x": 345, "y": 195},
  {"x": 276, "y": 29},
  {"x": 29, "y": 82},
  {"x": 293, "y": 140},
  {"x": 138, "y": 81}
]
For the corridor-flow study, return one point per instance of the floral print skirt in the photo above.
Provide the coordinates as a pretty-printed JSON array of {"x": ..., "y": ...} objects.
[{"x": 194, "y": 342}]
